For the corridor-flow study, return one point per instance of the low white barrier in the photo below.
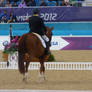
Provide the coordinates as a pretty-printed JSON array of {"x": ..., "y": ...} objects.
[
  {"x": 13, "y": 64},
  {"x": 51, "y": 65}
]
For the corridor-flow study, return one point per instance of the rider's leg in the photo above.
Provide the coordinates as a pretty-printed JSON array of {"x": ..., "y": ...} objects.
[{"x": 47, "y": 51}]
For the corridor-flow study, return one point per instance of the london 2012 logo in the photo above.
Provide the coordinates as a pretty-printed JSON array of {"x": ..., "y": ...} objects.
[{"x": 48, "y": 16}]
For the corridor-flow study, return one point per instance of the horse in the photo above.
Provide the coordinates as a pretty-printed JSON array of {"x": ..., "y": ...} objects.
[{"x": 30, "y": 49}]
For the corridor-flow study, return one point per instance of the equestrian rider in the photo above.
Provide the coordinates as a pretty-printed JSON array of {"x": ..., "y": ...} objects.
[{"x": 37, "y": 25}]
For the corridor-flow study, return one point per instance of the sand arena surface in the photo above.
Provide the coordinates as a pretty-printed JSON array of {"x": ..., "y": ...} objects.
[
  {"x": 67, "y": 55},
  {"x": 56, "y": 80},
  {"x": 73, "y": 55}
]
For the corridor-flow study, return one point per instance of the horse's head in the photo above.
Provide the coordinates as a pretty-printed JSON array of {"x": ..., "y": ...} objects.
[{"x": 49, "y": 32}]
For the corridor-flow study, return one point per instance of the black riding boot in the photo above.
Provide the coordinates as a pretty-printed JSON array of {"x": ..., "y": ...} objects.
[{"x": 47, "y": 51}]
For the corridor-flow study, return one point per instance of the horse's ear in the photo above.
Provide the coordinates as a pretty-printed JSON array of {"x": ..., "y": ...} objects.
[{"x": 52, "y": 28}]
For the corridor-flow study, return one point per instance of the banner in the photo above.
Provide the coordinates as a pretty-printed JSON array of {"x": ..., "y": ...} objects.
[
  {"x": 60, "y": 28},
  {"x": 78, "y": 43},
  {"x": 53, "y": 14},
  {"x": 71, "y": 43},
  {"x": 60, "y": 43}
]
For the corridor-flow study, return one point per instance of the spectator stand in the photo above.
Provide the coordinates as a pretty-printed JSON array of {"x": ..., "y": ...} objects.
[
  {"x": 15, "y": 3},
  {"x": 51, "y": 3}
]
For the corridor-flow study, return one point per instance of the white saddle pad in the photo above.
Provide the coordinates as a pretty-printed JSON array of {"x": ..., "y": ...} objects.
[{"x": 42, "y": 41}]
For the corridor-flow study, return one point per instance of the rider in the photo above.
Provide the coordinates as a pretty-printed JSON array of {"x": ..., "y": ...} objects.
[{"x": 37, "y": 25}]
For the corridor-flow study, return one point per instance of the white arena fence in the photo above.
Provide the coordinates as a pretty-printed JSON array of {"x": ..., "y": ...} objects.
[
  {"x": 13, "y": 64},
  {"x": 51, "y": 65}
]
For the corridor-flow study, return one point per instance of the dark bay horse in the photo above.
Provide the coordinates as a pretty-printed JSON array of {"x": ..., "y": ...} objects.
[{"x": 30, "y": 49}]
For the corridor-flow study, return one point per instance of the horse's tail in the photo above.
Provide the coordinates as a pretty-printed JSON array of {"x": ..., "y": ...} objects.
[{"x": 21, "y": 54}]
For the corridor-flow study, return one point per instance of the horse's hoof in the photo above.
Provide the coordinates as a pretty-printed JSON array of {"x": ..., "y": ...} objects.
[
  {"x": 45, "y": 78},
  {"x": 42, "y": 79},
  {"x": 25, "y": 80}
]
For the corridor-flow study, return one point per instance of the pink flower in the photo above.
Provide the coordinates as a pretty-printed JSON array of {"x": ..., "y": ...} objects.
[
  {"x": 8, "y": 46},
  {"x": 14, "y": 40},
  {"x": 16, "y": 43}
]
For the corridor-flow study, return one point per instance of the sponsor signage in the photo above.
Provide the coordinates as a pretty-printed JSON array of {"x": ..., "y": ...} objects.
[
  {"x": 60, "y": 43},
  {"x": 78, "y": 43},
  {"x": 53, "y": 14}
]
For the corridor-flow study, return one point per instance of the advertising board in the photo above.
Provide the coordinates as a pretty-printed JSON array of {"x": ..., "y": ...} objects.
[{"x": 60, "y": 43}]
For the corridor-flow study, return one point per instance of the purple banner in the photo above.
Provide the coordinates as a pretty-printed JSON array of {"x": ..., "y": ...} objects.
[
  {"x": 78, "y": 43},
  {"x": 54, "y": 14}
]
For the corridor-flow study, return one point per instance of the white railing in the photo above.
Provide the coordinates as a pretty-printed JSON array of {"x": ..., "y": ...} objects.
[{"x": 52, "y": 65}]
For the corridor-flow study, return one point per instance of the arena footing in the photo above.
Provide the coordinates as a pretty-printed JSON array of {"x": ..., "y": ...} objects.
[{"x": 45, "y": 90}]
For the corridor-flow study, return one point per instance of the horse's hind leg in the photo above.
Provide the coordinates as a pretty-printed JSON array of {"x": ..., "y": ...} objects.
[
  {"x": 42, "y": 71},
  {"x": 26, "y": 72}
]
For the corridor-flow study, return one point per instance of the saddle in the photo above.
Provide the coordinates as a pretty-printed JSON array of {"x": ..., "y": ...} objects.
[
  {"x": 45, "y": 43},
  {"x": 41, "y": 39}
]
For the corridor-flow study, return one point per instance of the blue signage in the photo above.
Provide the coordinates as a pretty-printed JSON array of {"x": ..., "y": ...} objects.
[{"x": 54, "y": 14}]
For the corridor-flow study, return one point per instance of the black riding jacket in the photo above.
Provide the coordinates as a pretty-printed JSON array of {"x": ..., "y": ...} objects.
[{"x": 37, "y": 25}]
